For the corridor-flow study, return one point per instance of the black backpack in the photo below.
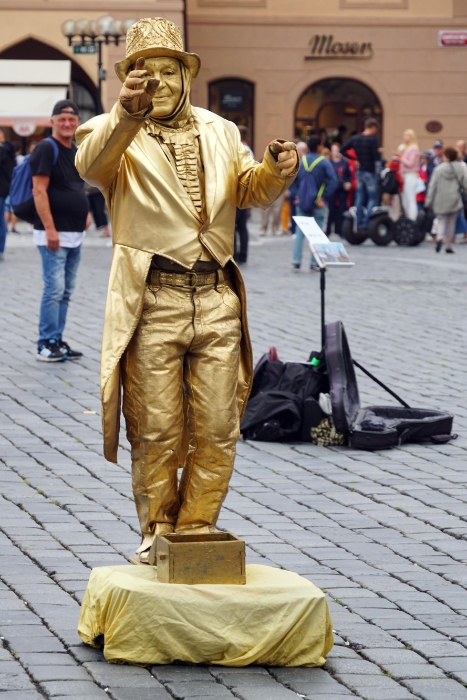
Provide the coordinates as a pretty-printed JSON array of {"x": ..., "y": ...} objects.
[{"x": 389, "y": 183}]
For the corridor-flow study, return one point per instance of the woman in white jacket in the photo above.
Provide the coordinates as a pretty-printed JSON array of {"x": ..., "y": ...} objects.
[
  {"x": 409, "y": 165},
  {"x": 444, "y": 196}
]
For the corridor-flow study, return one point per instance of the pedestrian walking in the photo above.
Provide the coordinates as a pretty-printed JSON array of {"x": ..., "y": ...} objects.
[
  {"x": 366, "y": 148},
  {"x": 302, "y": 150},
  {"x": 436, "y": 158},
  {"x": 462, "y": 148},
  {"x": 423, "y": 175},
  {"x": 7, "y": 163},
  {"x": 338, "y": 202},
  {"x": 409, "y": 165},
  {"x": 59, "y": 228},
  {"x": 272, "y": 215},
  {"x": 241, "y": 235},
  {"x": 341, "y": 132},
  {"x": 318, "y": 168},
  {"x": 97, "y": 208},
  {"x": 444, "y": 196}
]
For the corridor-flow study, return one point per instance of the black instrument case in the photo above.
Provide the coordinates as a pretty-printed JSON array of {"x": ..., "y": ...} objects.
[{"x": 374, "y": 427}]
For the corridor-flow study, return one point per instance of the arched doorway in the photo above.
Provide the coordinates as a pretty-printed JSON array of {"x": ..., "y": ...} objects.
[
  {"x": 334, "y": 102},
  {"x": 82, "y": 89},
  {"x": 233, "y": 99}
]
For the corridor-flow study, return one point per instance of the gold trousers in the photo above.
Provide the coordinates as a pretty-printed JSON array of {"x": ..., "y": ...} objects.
[{"x": 180, "y": 374}]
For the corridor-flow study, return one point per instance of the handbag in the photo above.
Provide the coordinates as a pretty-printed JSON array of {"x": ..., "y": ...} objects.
[
  {"x": 462, "y": 191},
  {"x": 421, "y": 187}
]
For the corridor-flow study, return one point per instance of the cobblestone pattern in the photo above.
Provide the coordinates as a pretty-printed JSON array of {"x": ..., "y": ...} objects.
[{"x": 383, "y": 533}]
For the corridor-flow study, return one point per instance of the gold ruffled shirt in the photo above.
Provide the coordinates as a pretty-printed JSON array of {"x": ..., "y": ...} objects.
[{"x": 181, "y": 148}]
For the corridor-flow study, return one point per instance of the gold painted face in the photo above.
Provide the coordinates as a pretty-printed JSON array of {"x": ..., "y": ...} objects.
[{"x": 168, "y": 94}]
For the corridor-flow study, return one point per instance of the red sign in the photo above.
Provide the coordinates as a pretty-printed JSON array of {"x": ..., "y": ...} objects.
[{"x": 453, "y": 38}]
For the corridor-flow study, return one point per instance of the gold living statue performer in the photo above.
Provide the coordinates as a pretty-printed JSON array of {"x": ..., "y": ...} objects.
[{"x": 175, "y": 332}]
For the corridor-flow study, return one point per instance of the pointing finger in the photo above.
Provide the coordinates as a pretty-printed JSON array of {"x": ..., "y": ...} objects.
[{"x": 140, "y": 63}]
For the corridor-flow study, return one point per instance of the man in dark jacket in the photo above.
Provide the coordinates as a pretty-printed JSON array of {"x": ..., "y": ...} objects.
[
  {"x": 7, "y": 163},
  {"x": 326, "y": 182},
  {"x": 366, "y": 147}
]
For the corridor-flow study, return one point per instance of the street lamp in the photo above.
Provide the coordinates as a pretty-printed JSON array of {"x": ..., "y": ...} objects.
[{"x": 87, "y": 36}]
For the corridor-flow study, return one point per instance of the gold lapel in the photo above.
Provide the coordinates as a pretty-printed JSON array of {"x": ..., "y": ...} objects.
[
  {"x": 208, "y": 147},
  {"x": 165, "y": 171}
]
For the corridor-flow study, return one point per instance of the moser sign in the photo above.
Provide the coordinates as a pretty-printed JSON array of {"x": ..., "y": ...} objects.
[
  {"x": 324, "y": 46},
  {"x": 453, "y": 38}
]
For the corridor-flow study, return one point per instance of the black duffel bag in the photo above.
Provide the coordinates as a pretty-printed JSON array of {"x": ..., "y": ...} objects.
[{"x": 272, "y": 416}]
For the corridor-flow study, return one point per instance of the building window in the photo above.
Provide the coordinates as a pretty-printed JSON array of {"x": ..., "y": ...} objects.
[{"x": 234, "y": 100}]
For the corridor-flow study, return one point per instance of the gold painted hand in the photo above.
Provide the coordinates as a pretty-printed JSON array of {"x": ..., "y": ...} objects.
[
  {"x": 138, "y": 89},
  {"x": 285, "y": 153}
]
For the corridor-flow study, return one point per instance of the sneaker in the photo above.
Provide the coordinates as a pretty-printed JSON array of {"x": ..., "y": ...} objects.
[
  {"x": 439, "y": 245},
  {"x": 67, "y": 352},
  {"x": 295, "y": 267},
  {"x": 50, "y": 352},
  {"x": 449, "y": 250}
]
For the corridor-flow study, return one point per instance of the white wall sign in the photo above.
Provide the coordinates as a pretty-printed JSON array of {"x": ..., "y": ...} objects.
[{"x": 24, "y": 127}]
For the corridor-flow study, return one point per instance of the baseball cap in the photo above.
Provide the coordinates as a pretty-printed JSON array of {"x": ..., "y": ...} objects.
[
  {"x": 426, "y": 154},
  {"x": 65, "y": 106},
  {"x": 438, "y": 144}
]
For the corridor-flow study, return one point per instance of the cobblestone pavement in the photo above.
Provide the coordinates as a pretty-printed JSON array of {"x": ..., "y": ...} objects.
[{"x": 383, "y": 533}]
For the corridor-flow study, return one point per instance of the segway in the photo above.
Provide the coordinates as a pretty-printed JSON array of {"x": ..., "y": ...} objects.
[
  {"x": 381, "y": 226},
  {"x": 349, "y": 227},
  {"x": 405, "y": 232}
]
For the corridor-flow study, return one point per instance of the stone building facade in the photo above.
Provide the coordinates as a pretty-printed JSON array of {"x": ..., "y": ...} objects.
[{"x": 280, "y": 67}]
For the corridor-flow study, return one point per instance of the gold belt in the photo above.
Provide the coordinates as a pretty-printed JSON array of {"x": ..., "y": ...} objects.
[{"x": 188, "y": 279}]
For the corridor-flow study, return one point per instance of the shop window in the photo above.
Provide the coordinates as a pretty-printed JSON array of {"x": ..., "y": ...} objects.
[
  {"x": 83, "y": 90},
  {"x": 333, "y": 103},
  {"x": 234, "y": 100}
]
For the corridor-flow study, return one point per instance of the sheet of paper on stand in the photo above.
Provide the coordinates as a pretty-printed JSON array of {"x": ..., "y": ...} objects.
[{"x": 326, "y": 253}]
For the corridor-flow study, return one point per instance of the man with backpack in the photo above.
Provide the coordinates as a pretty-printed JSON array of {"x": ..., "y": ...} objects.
[
  {"x": 7, "y": 163},
  {"x": 317, "y": 183},
  {"x": 60, "y": 220}
]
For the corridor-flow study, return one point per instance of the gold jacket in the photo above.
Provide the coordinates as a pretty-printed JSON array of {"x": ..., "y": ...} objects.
[{"x": 151, "y": 212}]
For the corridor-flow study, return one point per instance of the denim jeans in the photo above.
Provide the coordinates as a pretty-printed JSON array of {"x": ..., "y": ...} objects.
[
  {"x": 2, "y": 225},
  {"x": 367, "y": 184},
  {"x": 319, "y": 215},
  {"x": 59, "y": 274}
]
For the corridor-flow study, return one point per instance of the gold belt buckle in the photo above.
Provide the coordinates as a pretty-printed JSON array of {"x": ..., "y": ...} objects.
[{"x": 191, "y": 275}]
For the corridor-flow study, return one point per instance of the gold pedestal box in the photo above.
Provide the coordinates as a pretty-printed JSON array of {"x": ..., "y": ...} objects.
[{"x": 211, "y": 558}]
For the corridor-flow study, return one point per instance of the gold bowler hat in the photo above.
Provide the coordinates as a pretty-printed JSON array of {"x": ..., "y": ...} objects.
[{"x": 152, "y": 37}]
